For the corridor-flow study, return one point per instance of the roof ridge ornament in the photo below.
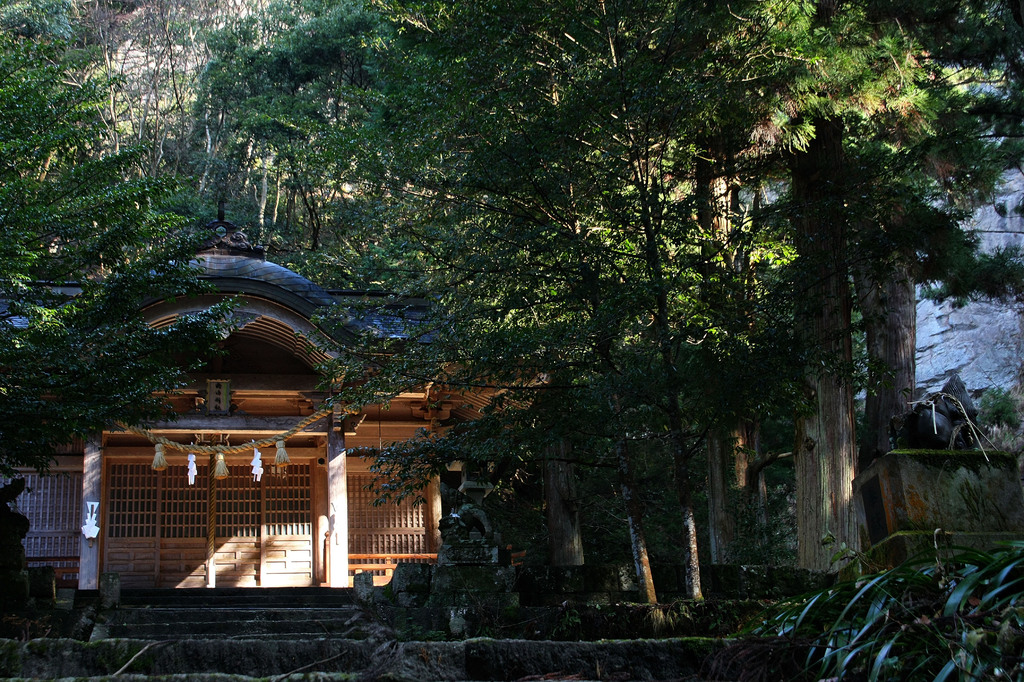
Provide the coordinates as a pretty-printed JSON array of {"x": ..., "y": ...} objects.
[{"x": 228, "y": 238}]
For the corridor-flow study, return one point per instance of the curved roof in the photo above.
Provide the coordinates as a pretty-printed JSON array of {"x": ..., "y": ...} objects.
[
  {"x": 237, "y": 267},
  {"x": 237, "y": 274}
]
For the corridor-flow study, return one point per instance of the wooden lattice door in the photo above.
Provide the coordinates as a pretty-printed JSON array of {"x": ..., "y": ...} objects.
[
  {"x": 132, "y": 524},
  {"x": 239, "y": 507},
  {"x": 287, "y": 530},
  {"x": 183, "y": 508},
  {"x": 156, "y": 530}
]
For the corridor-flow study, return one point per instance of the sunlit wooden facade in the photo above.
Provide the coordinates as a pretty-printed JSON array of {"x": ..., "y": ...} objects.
[{"x": 310, "y": 523}]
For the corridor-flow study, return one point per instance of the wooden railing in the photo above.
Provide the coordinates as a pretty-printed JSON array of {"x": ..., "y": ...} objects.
[{"x": 357, "y": 563}]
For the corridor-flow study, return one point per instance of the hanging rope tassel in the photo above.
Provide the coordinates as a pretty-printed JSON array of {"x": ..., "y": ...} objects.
[
  {"x": 159, "y": 461},
  {"x": 281, "y": 460},
  {"x": 220, "y": 469}
]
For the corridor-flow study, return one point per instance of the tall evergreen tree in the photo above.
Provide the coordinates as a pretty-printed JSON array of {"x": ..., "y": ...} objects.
[{"x": 870, "y": 116}]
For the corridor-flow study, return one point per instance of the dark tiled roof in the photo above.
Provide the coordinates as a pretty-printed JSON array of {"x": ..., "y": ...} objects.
[{"x": 233, "y": 271}]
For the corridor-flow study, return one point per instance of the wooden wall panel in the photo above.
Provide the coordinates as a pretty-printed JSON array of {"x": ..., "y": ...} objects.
[
  {"x": 287, "y": 561},
  {"x": 182, "y": 563},
  {"x": 238, "y": 562},
  {"x": 387, "y": 529},
  {"x": 53, "y": 505},
  {"x": 135, "y": 559}
]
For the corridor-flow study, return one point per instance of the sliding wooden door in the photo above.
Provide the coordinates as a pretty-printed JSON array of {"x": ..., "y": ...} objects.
[{"x": 156, "y": 526}]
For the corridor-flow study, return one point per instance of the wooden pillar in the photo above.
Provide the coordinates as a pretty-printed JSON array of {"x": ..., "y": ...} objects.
[
  {"x": 322, "y": 528},
  {"x": 92, "y": 491},
  {"x": 432, "y": 515},
  {"x": 211, "y": 526},
  {"x": 337, "y": 503},
  {"x": 432, "y": 512}
]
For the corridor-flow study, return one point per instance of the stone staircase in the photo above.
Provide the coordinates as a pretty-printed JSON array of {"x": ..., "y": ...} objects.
[
  {"x": 234, "y": 613},
  {"x": 313, "y": 635}
]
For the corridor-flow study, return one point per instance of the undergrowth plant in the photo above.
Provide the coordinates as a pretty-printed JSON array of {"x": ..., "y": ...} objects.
[
  {"x": 1000, "y": 412},
  {"x": 956, "y": 619}
]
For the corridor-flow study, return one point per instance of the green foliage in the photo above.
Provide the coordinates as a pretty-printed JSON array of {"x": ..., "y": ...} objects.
[
  {"x": 999, "y": 407},
  {"x": 533, "y": 167},
  {"x": 956, "y": 619},
  {"x": 83, "y": 249},
  {"x": 996, "y": 276},
  {"x": 37, "y": 18},
  {"x": 552, "y": 176},
  {"x": 283, "y": 86},
  {"x": 568, "y": 623},
  {"x": 767, "y": 536}
]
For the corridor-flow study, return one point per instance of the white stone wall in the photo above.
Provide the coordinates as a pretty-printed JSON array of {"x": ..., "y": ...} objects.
[{"x": 983, "y": 341}]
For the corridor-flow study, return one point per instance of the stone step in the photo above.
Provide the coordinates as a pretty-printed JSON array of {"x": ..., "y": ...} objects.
[
  {"x": 478, "y": 659},
  {"x": 274, "y": 636},
  {"x": 226, "y": 613},
  {"x": 177, "y": 614},
  {"x": 239, "y": 597},
  {"x": 243, "y": 628}
]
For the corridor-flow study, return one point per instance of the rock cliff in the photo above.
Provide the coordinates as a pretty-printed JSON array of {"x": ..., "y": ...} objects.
[{"x": 982, "y": 341}]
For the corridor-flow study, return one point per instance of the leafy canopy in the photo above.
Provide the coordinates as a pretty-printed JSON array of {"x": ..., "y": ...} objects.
[{"x": 83, "y": 249}]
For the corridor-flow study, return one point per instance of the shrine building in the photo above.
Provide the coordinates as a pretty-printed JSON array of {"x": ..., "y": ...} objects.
[{"x": 311, "y": 522}]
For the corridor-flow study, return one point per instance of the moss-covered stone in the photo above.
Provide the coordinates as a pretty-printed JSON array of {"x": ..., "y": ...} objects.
[
  {"x": 488, "y": 659},
  {"x": 608, "y": 578},
  {"x": 410, "y": 584},
  {"x": 10, "y": 658},
  {"x": 725, "y": 580},
  {"x": 667, "y": 578},
  {"x": 906, "y": 545},
  {"x": 971, "y": 459},
  {"x": 472, "y": 579},
  {"x": 539, "y": 580},
  {"x": 924, "y": 490}
]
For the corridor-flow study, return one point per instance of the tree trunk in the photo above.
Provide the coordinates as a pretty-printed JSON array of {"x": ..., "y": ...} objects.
[
  {"x": 890, "y": 320},
  {"x": 825, "y": 436},
  {"x": 684, "y": 493},
  {"x": 565, "y": 544},
  {"x": 729, "y": 458},
  {"x": 726, "y": 459},
  {"x": 681, "y": 455},
  {"x": 635, "y": 519},
  {"x": 261, "y": 200},
  {"x": 721, "y": 520}
]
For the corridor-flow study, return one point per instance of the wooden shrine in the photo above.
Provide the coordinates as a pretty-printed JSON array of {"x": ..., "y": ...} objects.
[{"x": 311, "y": 522}]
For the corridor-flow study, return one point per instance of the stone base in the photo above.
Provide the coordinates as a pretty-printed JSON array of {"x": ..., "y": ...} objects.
[
  {"x": 42, "y": 582},
  {"x": 924, "y": 490},
  {"x": 410, "y": 585},
  {"x": 467, "y": 585},
  {"x": 110, "y": 590}
]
